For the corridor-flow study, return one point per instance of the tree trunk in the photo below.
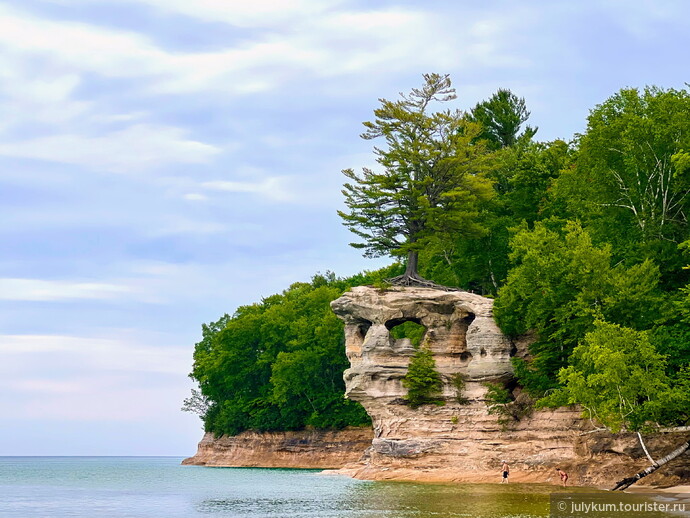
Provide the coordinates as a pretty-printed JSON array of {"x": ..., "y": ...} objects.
[
  {"x": 412, "y": 265},
  {"x": 639, "y": 436},
  {"x": 411, "y": 276},
  {"x": 627, "y": 482}
]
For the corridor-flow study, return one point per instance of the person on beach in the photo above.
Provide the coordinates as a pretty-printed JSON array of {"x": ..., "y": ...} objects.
[
  {"x": 563, "y": 475},
  {"x": 506, "y": 471}
]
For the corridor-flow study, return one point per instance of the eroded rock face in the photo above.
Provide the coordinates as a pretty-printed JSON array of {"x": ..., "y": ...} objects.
[
  {"x": 300, "y": 449},
  {"x": 460, "y": 330},
  {"x": 463, "y": 442}
]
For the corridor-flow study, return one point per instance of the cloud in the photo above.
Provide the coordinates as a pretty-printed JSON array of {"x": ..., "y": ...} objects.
[
  {"x": 44, "y": 386},
  {"x": 258, "y": 13},
  {"x": 644, "y": 19},
  {"x": 321, "y": 42},
  {"x": 79, "y": 45},
  {"x": 94, "y": 354},
  {"x": 45, "y": 99},
  {"x": 274, "y": 188},
  {"x": 91, "y": 378},
  {"x": 195, "y": 196},
  {"x": 43, "y": 290},
  {"x": 181, "y": 225},
  {"x": 134, "y": 149}
]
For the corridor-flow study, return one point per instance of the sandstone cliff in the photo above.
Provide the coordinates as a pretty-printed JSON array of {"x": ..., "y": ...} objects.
[
  {"x": 462, "y": 442},
  {"x": 303, "y": 449}
]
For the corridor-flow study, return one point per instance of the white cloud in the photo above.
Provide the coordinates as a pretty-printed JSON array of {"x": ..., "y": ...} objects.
[
  {"x": 139, "y": 147},
  {"x": 125, "y": 402},
  {"x": 70, "y": 377},
  {"x": 181, "y": 225},
  {"x": 195, "y": 196},
  {"x": 274, "y": 188},
  {"x": 645, "y": 18},
  {"x": 95, "y": 353},
  {"x": 321, "y": 42},
  {"x": 80, "y": 46},
  {"x": 258, "y": 13},
  {"x": 43, "y": 290}
]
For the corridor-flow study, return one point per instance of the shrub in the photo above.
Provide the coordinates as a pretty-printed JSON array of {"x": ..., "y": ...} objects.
[
  {"x": 422, "y": 382},
  {"x": 458, "y": 382}
]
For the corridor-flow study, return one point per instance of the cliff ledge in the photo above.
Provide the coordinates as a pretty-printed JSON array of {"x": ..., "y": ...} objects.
[{"x": 319, "y": 449}]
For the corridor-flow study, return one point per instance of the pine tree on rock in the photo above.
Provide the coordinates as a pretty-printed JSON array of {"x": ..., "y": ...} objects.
[{"x": 430, "y": 183}]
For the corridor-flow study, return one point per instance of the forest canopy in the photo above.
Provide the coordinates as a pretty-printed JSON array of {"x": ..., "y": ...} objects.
[
  {"x": 278, "y": 364},
  {"x": 584, "y": 243}
]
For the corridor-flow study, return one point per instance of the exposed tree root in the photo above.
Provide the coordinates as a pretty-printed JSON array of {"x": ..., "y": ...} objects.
[{"x": 416, "y": 281}]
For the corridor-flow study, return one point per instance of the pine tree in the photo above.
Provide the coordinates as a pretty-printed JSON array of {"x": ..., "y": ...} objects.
[
  {"x": 431, "y": 179},
  {"x": 422, "y": 381}
]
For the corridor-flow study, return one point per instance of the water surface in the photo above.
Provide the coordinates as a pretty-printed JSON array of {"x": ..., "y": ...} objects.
[{"x": 159, "y": 487}]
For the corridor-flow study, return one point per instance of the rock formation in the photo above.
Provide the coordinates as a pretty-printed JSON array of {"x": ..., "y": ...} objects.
[
  {"x": 456, "y": 441},
  {"x": 300, "y": 449}
]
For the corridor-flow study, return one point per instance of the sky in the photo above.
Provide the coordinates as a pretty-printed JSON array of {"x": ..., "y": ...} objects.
[{"x": 163, "y": 162}]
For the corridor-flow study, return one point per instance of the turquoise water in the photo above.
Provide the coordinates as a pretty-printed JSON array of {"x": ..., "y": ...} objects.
[
  {"x": 153, "y": 487},
  {"x": 159, "y": 487}
]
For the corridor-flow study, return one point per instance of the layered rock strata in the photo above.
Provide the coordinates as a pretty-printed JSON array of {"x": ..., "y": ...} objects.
[
  {"x": 456, "y": 441},
  {"x": 302, "y": 449}
]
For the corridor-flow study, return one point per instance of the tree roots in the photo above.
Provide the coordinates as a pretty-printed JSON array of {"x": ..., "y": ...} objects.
[{"x": 415, "y": 281}]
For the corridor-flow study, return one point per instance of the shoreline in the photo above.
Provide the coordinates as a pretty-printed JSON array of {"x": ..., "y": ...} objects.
[{"x": 668, "y": 491}]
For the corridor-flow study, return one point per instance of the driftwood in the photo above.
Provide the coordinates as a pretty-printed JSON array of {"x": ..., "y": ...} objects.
[{"x": 629, "y": 481}]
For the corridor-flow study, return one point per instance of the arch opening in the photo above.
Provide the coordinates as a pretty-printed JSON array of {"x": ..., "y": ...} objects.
[{"x": 411, "y": 329}]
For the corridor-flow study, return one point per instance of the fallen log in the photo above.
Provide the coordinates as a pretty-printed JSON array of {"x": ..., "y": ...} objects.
[{"x": 629, "y": 481}]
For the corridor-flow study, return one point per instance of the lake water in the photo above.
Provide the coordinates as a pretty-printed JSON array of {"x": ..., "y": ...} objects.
[{"x": 159, "y": 487}]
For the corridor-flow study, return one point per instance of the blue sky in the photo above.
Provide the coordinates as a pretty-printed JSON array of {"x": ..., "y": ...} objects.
[{"x": 164, "y": 161}]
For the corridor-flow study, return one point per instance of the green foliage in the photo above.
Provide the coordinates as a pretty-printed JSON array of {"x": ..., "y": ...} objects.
[
  {"x": 522, "y": 176},
  {"x": 422, "y": 381},
  {"x": 633, "y": 149},
  {"x": 618, "y": 377},
  {"x": 498, "y": 401},
  {"x": 501, "y": 117},
  {"x": 415, "y": 332},
  {"x": 431, "y": 179},
  {"x": 577, "y": 241},
  {"x": 497, "y": 397},
  {"x": 278, "y": 364},
  {"x": 502, "y": 402},
  {"x": 458, "y": 383},
  {"x": 630, "y": 182},
  {"x": 560, "y": 284}
]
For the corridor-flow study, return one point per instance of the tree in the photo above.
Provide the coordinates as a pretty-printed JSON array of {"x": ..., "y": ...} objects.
[
  {"x": 619, "y": 379},
  {"x": 197, "y": 403},
  {"x": 278, "y": 364},
  {"x": 560, "y": 284},
  {"x": 631, "y": 184},
  {"x": 616, "y": 375},
  {"x": 636, "y": 147},
  {"x": 422, "y": 381},
  {"x": 522, "y": 176},
  {"x": 431, "y": 180},
  {"x": 501, "y": 117}
]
